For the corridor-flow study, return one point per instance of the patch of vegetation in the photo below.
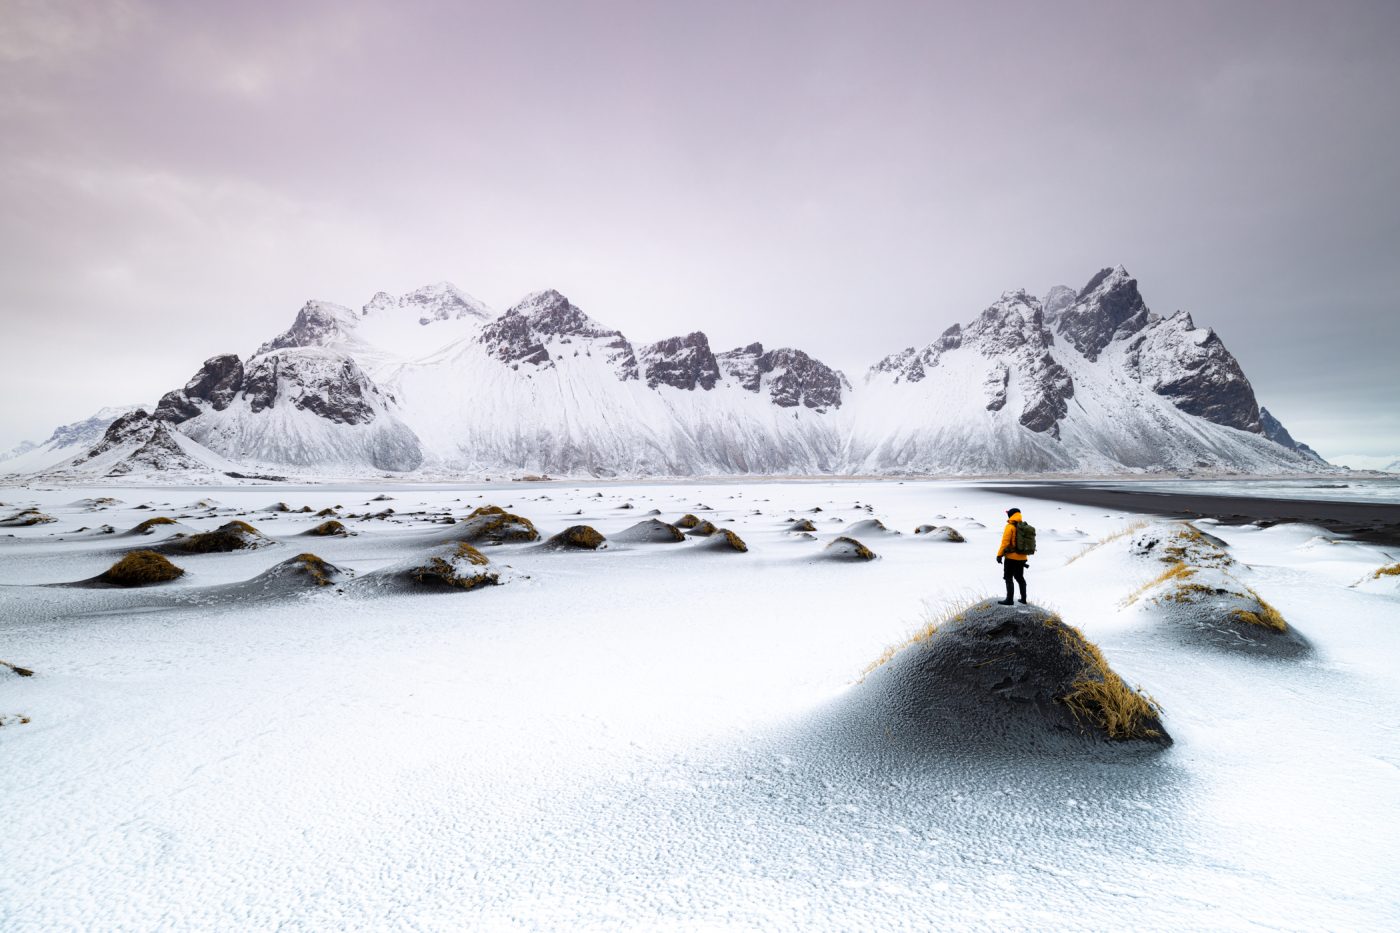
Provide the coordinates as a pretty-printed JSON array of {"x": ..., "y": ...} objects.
[
  {"x": 801, "y": 524},
  {"x": 231, "y": 536},
  {"x": 21, "y": 671},
  {"x": 325, "y": 513},
  {"x": 728, "y": 540},
  {"x": 27, "y": 519},
  {"x": 1129, "y": 529},
  {"x": 141, "y": 568},
  {"x": 1391, "y": 571},
  {"x": 850, "y": 547},
  {"x": 151, "y": 524},
  {"x": 687, "y": 521},
  {"x": 933, "y": 618},
  {"x": 447, "y": 571},
  {"x": 704, "y": 529},
  {"x": 495, "y": 524},
  {"x": 1100, "y": 698},
  {"x": 583, "y": 537},
  {"x": 329, "y": 529},
  {"x": 1177, "y": 570},
  {"x": 1265, "y": 614},
  {"x": 316, "y": 568}
]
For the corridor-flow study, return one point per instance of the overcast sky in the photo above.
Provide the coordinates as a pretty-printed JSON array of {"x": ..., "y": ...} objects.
[{"x": 849, "y": 178}]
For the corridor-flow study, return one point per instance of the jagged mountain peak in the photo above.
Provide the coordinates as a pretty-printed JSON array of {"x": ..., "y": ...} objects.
[
  {"x": 439, "y": 301},
  {"x": 792, "y": 377},
  {"x": 680, "y": 362},
  {"x": 524, "y": 334},
  {"x": 1108, "y": 308}
]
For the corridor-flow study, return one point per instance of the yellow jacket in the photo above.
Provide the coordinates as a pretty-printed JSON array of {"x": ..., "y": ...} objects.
[{"x": 1008, "y": 539}]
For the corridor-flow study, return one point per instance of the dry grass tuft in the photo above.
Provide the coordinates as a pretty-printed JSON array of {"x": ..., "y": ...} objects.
[
  {"x": 327, "y": 529},
  {"x": 1100, "y": 698},
  {"x": 1177, "y": 570},
  {"x": 687, "y": 521},
  {"x": 230, "y": 536},
  {"x": 1391, "y": 571},
  {"x": 1267, "y": 615},
  {"x": 731, "y": 541},
  {"x": 141, "y": 568},
  {"x": 151, "y": 524},
  {"x": 442, "y": 572},
  {"x": 1129, "y": 529},
  {"x": 21, "y": 671},
  {"x": 585, "y": 537},
  {"x": 316, "y": 568},
  {"x": 934, "y": 616}
]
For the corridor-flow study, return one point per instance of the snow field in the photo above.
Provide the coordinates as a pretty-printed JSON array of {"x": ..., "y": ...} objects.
[{"x": 641, "y": 737}]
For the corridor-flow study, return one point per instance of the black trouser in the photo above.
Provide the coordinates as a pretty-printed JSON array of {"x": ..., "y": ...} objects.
[{"x": 1014, "y": 570}]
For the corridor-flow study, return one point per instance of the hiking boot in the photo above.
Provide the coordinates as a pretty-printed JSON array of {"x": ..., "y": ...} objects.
[
  {"x": 1021, "y": 601},
  {"x": 1005, "y": 602}
]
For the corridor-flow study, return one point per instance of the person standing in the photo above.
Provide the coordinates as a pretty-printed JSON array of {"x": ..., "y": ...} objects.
[{"x": 1014, "y": 553}]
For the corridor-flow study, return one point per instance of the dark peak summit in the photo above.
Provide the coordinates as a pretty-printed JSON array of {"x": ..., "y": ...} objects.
[
  {"x": 316, "y": 324},
  {"x": 324, "y": 383},
  {"x": 520, "y": 336},
  {"x": 681, "y": 362},
  {"x": 1015, "y": 320},
  {"x": 912, "y": 365},
  {"x": 794, "y": 377},
  {"x": 1192, "y": 367},
  {"x": 215, "y": 385},
  {"x": 1108, "y": 308}
]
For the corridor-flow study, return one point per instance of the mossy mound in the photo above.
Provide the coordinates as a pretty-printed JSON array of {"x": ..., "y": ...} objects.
[
  {"x": 703, "y": 529},
  {"x": 231, "y": 536},
  {"x": 140, "y": 568},
  {"x": 940, "y": 533},
  {"x": 578, "y": 538},
  {"x": 302, "y": 572},
  {"x": 651, "y": 531},
  {"x": 326, "y": 513},
  {"x": 26, "y": 519},
  {"x": 869, "y": 527},
  {"x": 1211, "y": 607},
  {"x": 330, "y": 529},
  {"x": 151, "y": 524},
  {"x": 687, "y": 521},
  {"x": 844, "y": 548},
  {"x": 802, "y": 524},
  {"x": 1012, "y": 679},
  {"x": 726, "y": 540},
  {"x": 457, "y": 566},
  {"x": 492, "y": 524},
  {"x": 1181, "y": 542},
  {"x": 278, "y": 507}
]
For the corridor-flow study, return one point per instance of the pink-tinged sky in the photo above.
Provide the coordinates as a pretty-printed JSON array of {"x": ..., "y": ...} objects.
[{"x": 849, "y": 178}]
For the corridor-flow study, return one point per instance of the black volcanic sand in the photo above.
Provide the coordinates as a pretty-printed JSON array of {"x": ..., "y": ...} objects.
[{"x": 1372, "y": 522}]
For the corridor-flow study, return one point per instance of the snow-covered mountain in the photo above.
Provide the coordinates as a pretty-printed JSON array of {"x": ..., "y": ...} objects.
[
  {"x": 66, "y": 442},
  {"x": 434, "y": 382}
]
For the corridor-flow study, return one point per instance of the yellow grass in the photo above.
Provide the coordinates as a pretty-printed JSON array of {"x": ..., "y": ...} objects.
[
  {"x": 140, "y": 568},
  {"x": 1131, "y": 528},
  {"x": 1267, "y": 615},
  {"x": 1175, "y": 571},
  {"x": 1099, "y": 697},
  {"x": 933, "y": 617}
]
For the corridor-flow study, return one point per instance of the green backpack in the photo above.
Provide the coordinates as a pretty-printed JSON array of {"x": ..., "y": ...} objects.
[{"x": 1025, "y": 539}]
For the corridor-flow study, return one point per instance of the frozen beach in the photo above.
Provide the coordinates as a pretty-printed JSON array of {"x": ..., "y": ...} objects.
[{"x": 659, "y": 736}]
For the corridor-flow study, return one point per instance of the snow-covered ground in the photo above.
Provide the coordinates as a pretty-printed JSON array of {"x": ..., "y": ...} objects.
[{"x": 640, "y": 737}]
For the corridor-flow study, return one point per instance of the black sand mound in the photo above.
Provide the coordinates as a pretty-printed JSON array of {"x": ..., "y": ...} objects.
[
  {"x": 801, "y": 524},
  {"x": 1013, "y": 679},
  {"x": 847, "y": 549},
  {"x": 577, "y": 538},
  {"x": 1209, "y": 607},
  {"x": 492, "y": 524},
  {"x": 702, "y": 529},
  {"x": 328, "y": 529},
  {"x": 651, "y": 531},
  {"x": 870, "y": 527},
  {"x": 138, "y": 568},
  {"x": 687, "y": 521},
  {"x": 231, "y": 536},
  {"x": 305, "y": 571},
  {"x": 150, "y": 526},
  {"x": 726, "y": 542},
  {"x": 456, "y": 566},
  {"x": 27, "y": 519},
  {"x": 939, "y": 533}
]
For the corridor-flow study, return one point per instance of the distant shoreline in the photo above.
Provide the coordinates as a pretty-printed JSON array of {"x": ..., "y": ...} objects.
[{"x": 1373, "y": 522}]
